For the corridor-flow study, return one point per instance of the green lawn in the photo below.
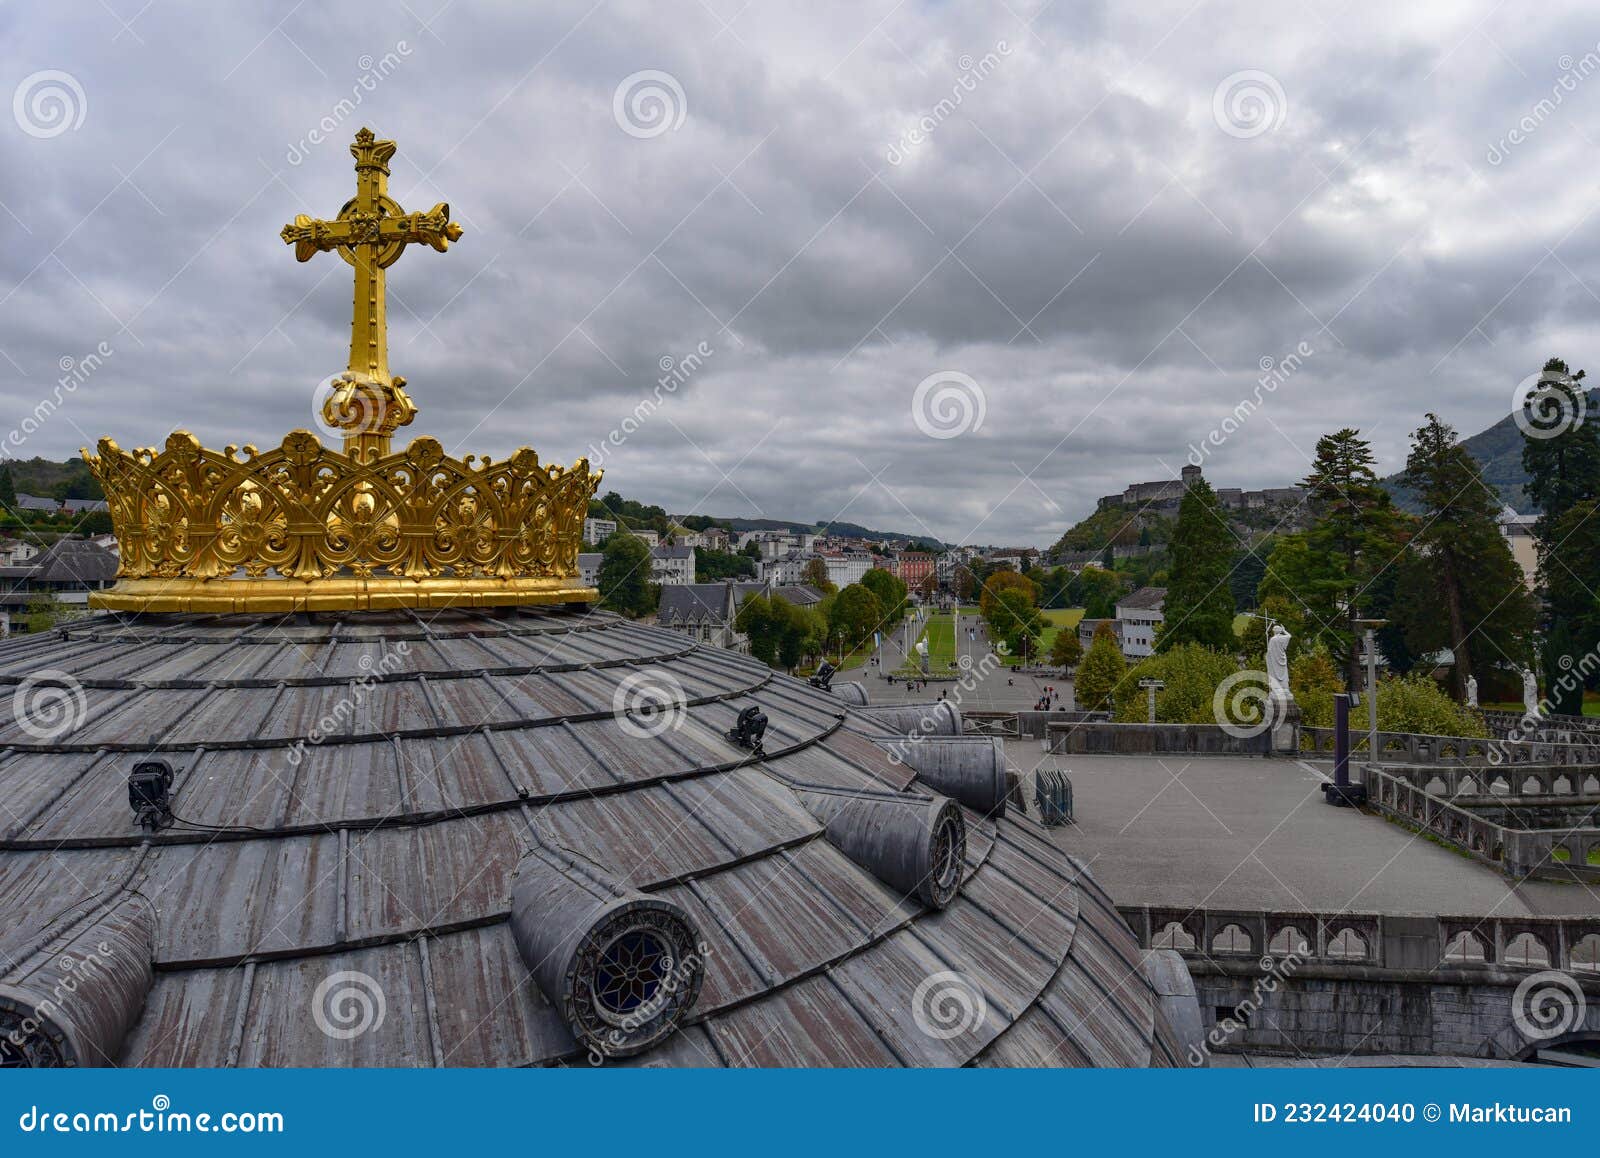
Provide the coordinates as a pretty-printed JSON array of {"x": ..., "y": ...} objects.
[
  {"x": 1240, "y": 622},
  {"x": 1058, "y": 619}
]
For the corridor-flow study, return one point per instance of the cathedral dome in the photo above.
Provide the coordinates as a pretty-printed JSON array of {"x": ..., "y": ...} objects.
[{"x": 517, "y": 838}]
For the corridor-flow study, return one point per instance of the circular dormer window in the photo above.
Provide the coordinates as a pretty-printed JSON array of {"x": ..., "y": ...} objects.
[
  {"x": 629, "y": 974},
  {"x": 949, "y": 856}
]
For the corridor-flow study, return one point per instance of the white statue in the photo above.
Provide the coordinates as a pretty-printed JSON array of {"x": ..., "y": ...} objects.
[
  {"x": 922, "y": 647},
  {"x": 1530, "y": 692},
  {"x": 1278, "y": 664},
  {"x": 1472, "y": 691}
]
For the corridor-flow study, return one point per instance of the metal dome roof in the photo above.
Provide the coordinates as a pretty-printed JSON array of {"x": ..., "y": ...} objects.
[{"x": 388, "y": 825}]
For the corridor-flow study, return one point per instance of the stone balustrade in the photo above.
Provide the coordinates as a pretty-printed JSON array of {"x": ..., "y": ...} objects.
[
  {"x": 1288, "y": 940},
  {"x": 1415, "y": 748},
  {"x": 1555, "y": 853}
]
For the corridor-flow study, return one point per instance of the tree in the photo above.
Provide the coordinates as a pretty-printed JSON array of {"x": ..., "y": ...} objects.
[
  {"x": 8, "y": 489},
  {"x": 1459, "y": 562},
  {"x": 1562, "y": 461},
  {"x": 854, "y": 615},
  {"x": 751, "y": 550},
  {"x": 711, "y": 566},
  {"x": 1066, "y": 649},
  {"x": 816, "y": 574},
  {"x": 1100, "y": 672},
  {"x": 1563, "y": 465},
  {"x": 1000, "y": 582},
  {"x": 757, "y": 621},
  {"x": 1097, "y": 592},
  {"x": 1354, "y": 535},
  {"x": 891, "y": 593},
  {"x": 1199, "y": 604},
  {"x": 1015, "y": 620},
  {"x": 625, "y": 585},
  {"x": 1563, "y": 681}
]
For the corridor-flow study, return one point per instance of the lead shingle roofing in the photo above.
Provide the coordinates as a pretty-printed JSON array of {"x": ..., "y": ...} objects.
[{"x": 443, "y": 744}]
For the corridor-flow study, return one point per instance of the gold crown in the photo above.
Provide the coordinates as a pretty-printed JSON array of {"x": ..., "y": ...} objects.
[{"x": 306, "y": 527}]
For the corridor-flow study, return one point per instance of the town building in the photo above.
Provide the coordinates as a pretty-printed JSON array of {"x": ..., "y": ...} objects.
[
  {"x": 63, "y": 574},
  {"x": 1138, "y": 617},
  {"x": 597, "y": 531},
  {"x": 672, "y": 566},
  {"x": 1518, "y": 532},
  {"x": 707, "y": 612},
  {"x": 913, "y": 568}
]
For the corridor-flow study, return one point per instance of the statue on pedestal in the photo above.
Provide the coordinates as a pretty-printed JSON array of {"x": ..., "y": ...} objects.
[
  {"x": 922, "y": 655},
  {"x": 1278, "y": 666},
  {"x": 1530, "y": 692},
  {"x": 1472, "y": 691}
]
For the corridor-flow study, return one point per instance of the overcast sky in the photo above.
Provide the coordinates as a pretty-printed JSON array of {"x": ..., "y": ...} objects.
[{"x": 1091, "y": 227}]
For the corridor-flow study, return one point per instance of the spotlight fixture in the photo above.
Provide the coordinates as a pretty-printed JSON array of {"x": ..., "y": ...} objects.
[
  {"x": 750, "y": 728},
  {"x": 150, "y": 794}
]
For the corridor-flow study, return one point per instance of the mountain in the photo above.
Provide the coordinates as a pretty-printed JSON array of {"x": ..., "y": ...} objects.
[{"x": 1498, "y": 452}]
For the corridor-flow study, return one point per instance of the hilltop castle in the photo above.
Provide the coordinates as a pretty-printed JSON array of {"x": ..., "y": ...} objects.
[{"x": 1169, "y": 493}]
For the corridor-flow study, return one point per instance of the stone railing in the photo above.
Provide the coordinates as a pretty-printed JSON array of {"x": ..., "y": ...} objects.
[
  {"x": 1107, "y": 739},
  {"x": 1413, "y": 748},
  {"x": 1249, "y": 936},
  {"x": 1558, "y": 781},
  {"x": 1547, "y": 727},
  {"x": 1516, "y": 852},
  {"x": 1029, "y": 725}
]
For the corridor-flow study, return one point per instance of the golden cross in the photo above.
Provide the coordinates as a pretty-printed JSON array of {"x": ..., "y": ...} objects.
[{"x": 370, "y": 233}]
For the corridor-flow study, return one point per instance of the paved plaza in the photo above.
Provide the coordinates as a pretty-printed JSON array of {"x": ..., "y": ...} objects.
[
  {"x": 1000, "y": 690},
  {"x": 1254, "y": 833}
]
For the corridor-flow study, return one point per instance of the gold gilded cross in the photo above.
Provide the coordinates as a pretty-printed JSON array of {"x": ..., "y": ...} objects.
[{"x": 370, "y": 233}]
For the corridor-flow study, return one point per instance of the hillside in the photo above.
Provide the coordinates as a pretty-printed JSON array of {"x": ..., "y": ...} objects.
[
  {"x": 59, "y": 480},
  {"x": 1498, "y": 451}
]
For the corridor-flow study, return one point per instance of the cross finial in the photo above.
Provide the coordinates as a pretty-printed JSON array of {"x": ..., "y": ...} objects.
[{"x": 370, "y": 233}]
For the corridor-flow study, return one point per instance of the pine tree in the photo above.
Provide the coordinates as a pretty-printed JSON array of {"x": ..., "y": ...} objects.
[
  {"x": 1356, "y": 532},
  {"x": 1563, "y": 682},
  {"x": 1458, "y": 562},
  {"x": 1199, "y": 603}
]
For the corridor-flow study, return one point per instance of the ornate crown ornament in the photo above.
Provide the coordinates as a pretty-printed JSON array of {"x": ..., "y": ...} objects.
[{"x": 305, "y": 527}]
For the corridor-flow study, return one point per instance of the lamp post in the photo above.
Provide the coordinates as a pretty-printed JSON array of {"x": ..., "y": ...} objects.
[{"x": 1151, "y": 688}]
